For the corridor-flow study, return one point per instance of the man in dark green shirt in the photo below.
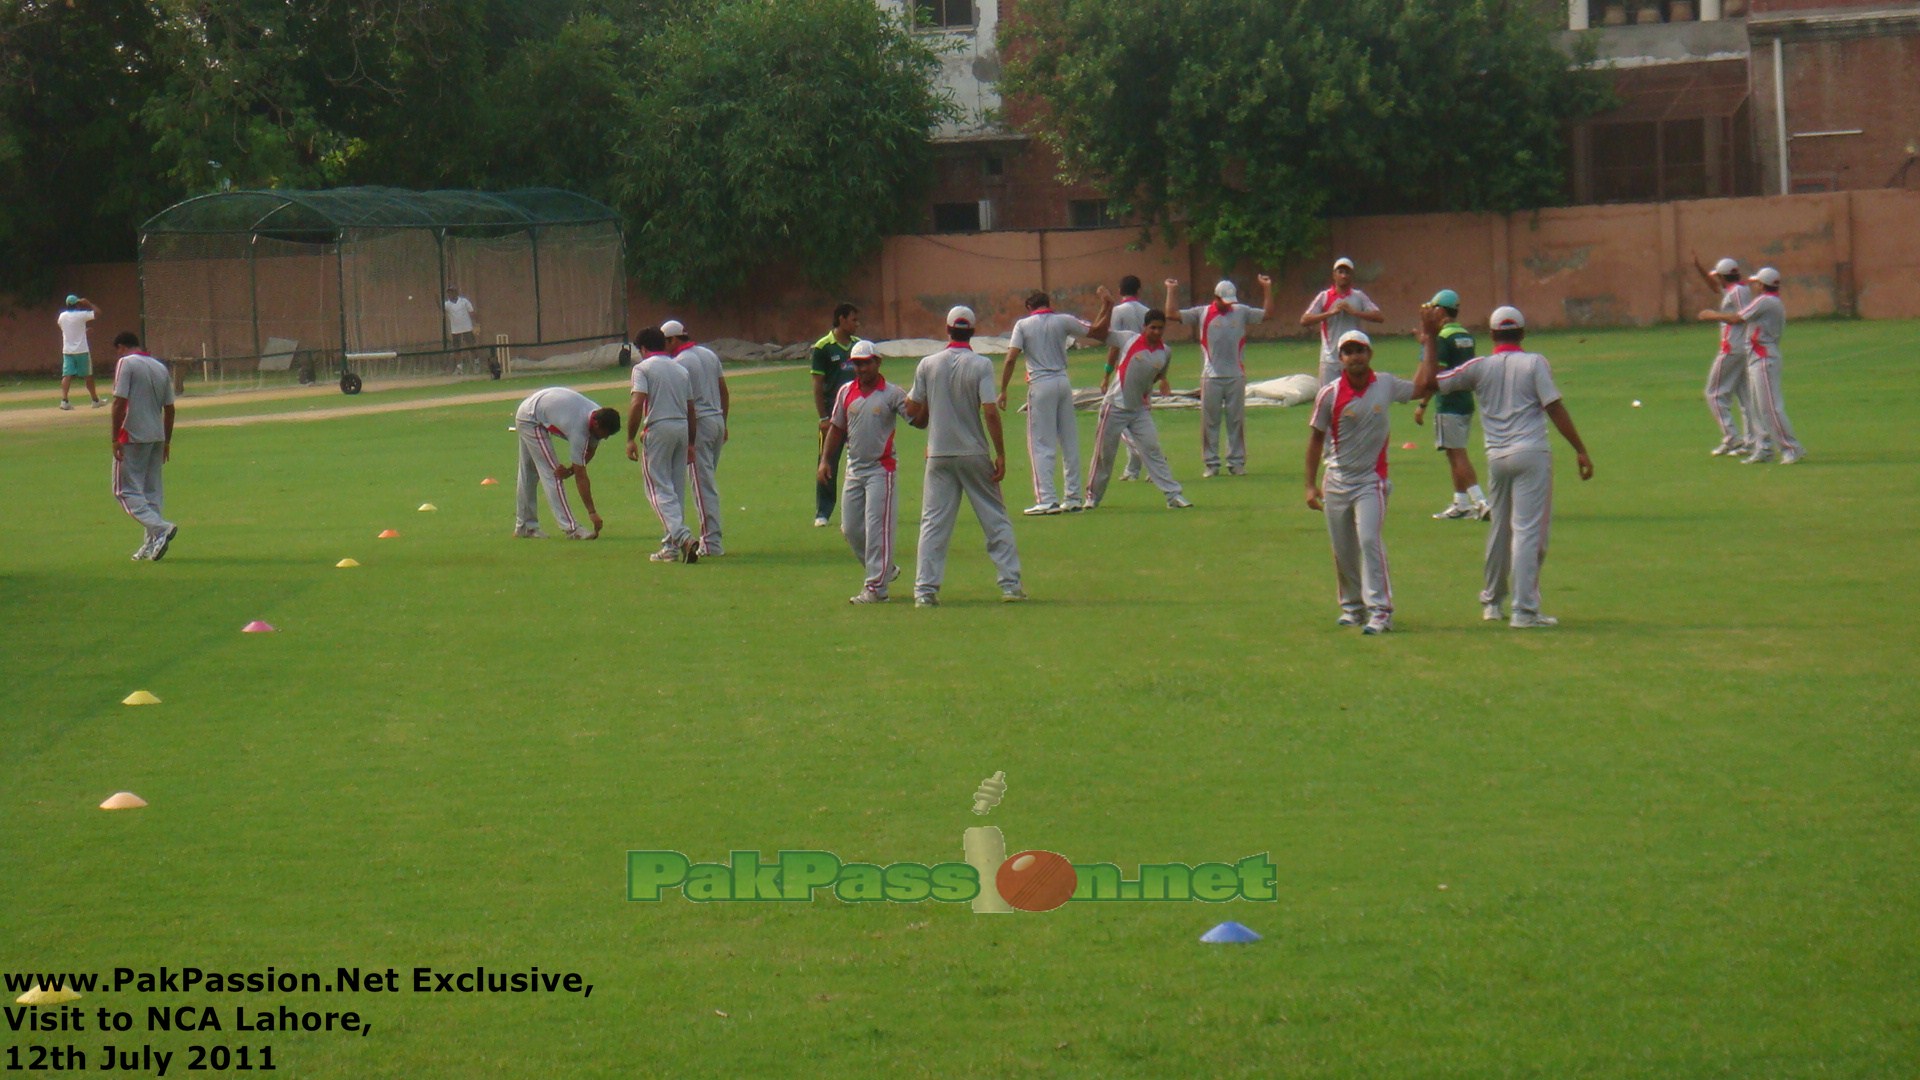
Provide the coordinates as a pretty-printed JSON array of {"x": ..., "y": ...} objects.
[
  {"x": 832, "y": 369},
  {"x": 1455, "y": 418}
]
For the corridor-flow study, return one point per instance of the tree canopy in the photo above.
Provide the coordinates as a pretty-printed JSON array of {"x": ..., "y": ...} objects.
[
  {"x": 1253, "y": 123},
  {"x": 728, "y": 132}
]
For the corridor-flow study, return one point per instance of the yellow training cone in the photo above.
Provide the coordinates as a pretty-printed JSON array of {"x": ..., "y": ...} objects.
[
  {"x": 123, "y": 800},
  {"x": 387, "y": 534},
  {"x": 346, "y": 564},
  {"x": 37, "y": 996},
  {"x": 139, "y": 697},
  {"x": 427, "y": 508}
]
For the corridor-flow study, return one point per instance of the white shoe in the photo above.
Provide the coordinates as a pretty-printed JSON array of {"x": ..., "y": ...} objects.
[
  {"x": 1210, "y": 472},
  {"x": 66, "y": 406},
  {"x": 1236, "y": 470},
  {"x": 1727, "y": 446},
  {"x": 1377, "y": 626},
  {"x": 158, "y": 549},
  {"x": 1348, "y": 618},
  {"x": 1758, "y": 457},
  {"x": 1013, "y": 595},
  {"x": 893, "y": 575},
  {"x": 1090, "y": 504},
  {"x": 1483, "y": 511},
  {"x": 1790, "y": 457},
  {"x": 1073, "y": 506},
  {"x": 97, "y": 402},
  {"x": 1490, "y": 613},
  {"x": 1454, "y": 513},
  {"x": 665, "y": 554},
  {"x": 926, "y": 600},
  {"x": 1039, "y": 509},
  {"x": 819, "y": 523},
  {"x": 530, "y": 532},
  {"x": 144, "y": 552},
  {"x": 1126, "y": 476},
  {"x": 1179, "y": 502},
  {"x": 866, "y": 596},
  {"x": 1533, "y": 622}
]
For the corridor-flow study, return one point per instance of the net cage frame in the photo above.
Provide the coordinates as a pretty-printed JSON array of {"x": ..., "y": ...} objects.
[{"x": 332, "y": 267}]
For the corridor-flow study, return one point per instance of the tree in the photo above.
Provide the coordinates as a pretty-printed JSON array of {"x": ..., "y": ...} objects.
[
  {"x": 1252, "y": 123},
  {"x": 792, "y": 131}
]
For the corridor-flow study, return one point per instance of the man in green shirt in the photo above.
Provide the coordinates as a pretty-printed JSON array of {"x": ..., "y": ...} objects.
[
  {"x": 832, "y": 369},
  {"x": 1455, "y": 417}
]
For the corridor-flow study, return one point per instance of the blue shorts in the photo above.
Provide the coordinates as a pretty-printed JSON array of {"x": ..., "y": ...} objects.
[{"x": 76, "y": 363}]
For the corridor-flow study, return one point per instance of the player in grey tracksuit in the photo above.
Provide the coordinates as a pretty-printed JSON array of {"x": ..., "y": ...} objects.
[
  {"x": 142, "y": 442},
  {"x": 953, "y": 390},
  {"x": 1517, "y": 397},
  {"x": 1351, "y": 417},
  {"x": 1129, "y": 315},
  {"x": 1140, "y": 359},
  {"x": 1053, "y": 435},
  {"x": 1761, "y": 322},
  {"x": 862, "y": 420},
  {"x": 1727, "y": 378},
  {"x": 711, "y": 405},
  {"x": 572, "y": 416},
  {"x": 1221, "y": 329},
  {"x": 663, "y": 399},
  {"x": 1336, "y": 310}
]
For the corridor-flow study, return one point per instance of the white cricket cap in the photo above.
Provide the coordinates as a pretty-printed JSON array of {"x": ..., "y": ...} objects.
[
  {"x": 1726, "y": 266},
  {"x": 960, "y": 315},
  {"x": 1766, "y": 275},
  {"x": 1354, "y": 335},
  {"x": 1507, "y": 317},
  {"x": 672, "y": 328},
  {"x": 862, "y": 350},
  {"x": 1226, "y": 291},
  {"x": 1343, "y": 261}
]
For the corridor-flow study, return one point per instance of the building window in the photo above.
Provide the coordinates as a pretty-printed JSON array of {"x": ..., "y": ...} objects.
[
  {"x": 956, "y": 217},
  {"x": 993, "y": 166},
  {"x": 1088, "y": 213},
  {"x": 943, "y": 13}
]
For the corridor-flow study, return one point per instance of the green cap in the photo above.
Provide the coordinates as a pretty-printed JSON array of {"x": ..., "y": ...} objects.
[
  {"x": 72, "y": 301},
  {"x": 1446, "y": 298}
]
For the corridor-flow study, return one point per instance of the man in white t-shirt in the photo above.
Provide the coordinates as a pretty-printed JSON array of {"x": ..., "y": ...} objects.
[
  {"x": 461, "y": 338},
  {"x": 1053, "y": 434},
  {"x": 76, "y": 355}
]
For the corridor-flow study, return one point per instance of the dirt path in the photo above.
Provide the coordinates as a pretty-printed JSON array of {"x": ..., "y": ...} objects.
[{"x": 84, "y": 416}]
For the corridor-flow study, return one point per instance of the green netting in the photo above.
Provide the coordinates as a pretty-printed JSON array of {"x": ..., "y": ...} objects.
[{"x": 267, "y": 286}]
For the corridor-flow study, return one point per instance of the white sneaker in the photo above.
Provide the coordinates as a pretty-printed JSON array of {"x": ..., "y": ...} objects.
[
  {"x": 1758, "y": 457},
  {"x": 893, "y": 575},
  {"x": 1237, "y": 470},
  {"x": 866, "y": 596},
  {"x": 530, "y": 532},
  {"x": 665, "y": 554},
  {"x": 819, "y": 523},
  {"x": 1483, "y": 511},
  {"x": 1013, "y": 595},
  {"x": 1533, "y": 622},
  {"x": 1377, "y": 626},
  {"x": 1073, "y": 506},
  {"x": 1126, "y": 476},
  {"x": 158, "y": 549},
  {"x": 1790, "y": 457},
  {"x": 1039, "y": 509},
  {"x": 926, "y": 600},
  {"x": 1179, "y": 502},
  {"x": 66, "y": 406},
  {"x": 1490, "y": 613},
  {"x": 1454, "y": 513},
  {"x": 97, "y": 402},
  {"x": 1210, "y": 472},
  {"x": 144, "y": 552},
  {"x": 1348, "y": 618},
  {"x": 1727, "y": 446},
  {"x": 1091, "y": 504}
]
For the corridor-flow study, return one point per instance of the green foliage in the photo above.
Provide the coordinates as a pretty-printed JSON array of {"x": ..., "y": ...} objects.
[
  {"x": 1254, "y": 122},
  {"x": 764, "y": 131}
]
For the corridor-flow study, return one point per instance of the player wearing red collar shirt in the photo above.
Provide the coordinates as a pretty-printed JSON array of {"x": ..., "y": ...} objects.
[
  {"x": 862, "y": 420},
  {"x": 1335, "y": 311},
  {"x": 1221, "y": 328},
  {"x": 712, "y": 404},
  {"x": 1350, "y": 416},
  {"x": 1053, "y": 435}
]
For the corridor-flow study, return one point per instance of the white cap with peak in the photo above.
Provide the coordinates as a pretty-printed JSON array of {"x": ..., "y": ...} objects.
[
  {"x": 1343, "y": 261},
  {"x": 862, "y": 349},
  {"x": 960, "y": 315},
  {"x": 1766, "y": 275},
  {"x": 1226, "y": 291},
  {"x": 672, "y": 328},
  {"x": 1354, "y": 335},
  {"x": 1507, "y": 317},
  {"x": 1726, "y": 266}
]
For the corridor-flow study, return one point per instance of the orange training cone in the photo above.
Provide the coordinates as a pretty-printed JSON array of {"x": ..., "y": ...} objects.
[{"x": 387, "y": 534}]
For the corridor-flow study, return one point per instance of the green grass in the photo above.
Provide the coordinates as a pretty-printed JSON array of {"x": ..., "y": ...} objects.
[{"x": 1675, "y": 835}]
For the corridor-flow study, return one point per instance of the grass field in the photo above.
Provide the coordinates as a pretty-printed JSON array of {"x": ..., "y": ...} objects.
[{"x": 1674, "y": 837}]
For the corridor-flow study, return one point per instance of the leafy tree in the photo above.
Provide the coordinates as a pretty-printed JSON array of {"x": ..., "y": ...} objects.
[
  {"x": 772, "y": 131},
  {"x": 1252, "y": 123}
]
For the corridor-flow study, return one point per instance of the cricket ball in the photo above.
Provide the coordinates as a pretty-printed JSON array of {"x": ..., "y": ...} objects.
[{"x": 1036, "y": 880}]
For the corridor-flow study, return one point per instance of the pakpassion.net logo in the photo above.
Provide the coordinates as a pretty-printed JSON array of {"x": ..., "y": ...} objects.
[{"x": 988, "y": 879}]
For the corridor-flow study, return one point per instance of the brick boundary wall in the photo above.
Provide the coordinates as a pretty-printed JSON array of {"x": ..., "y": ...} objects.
[{"x": 1849, "y": 253}]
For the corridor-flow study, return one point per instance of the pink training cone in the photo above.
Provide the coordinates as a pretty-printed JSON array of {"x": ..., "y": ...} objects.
[
  {"x": 1406, "y": 446},
  {"x": 488, "y": 482},
  {"x": 257, "y": 627},
  {"x": 123, "y": 800},
  {"x": 388, "y": 534}
]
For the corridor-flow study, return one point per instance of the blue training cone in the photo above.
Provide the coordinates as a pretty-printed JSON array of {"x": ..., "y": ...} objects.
[{"x": 1229, "y": 933}]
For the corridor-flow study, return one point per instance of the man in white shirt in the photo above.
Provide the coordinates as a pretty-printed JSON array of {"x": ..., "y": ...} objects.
[
  {"x": 142, "y": 442},
  {"x": 461, "y": 338},
  {"x": 1053, "y": 434},
  {"x": 76, "y": 355}
]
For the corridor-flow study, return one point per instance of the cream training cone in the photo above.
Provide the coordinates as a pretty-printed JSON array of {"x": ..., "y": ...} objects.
[
  {"x": 346, "y": 564},
  {"x": 123, "y": 800},
  {"x": 428, "y": 508}
]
